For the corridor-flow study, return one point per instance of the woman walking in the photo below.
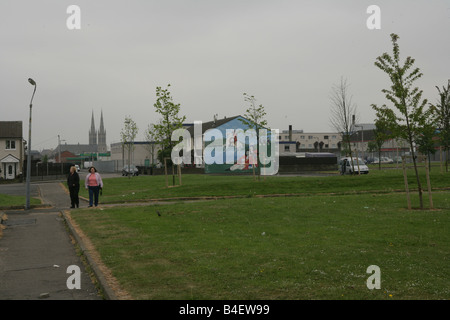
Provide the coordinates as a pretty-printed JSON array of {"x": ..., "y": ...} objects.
[
  {"x": 93, "y": 183},
  {"x": 73, "y": 182}
]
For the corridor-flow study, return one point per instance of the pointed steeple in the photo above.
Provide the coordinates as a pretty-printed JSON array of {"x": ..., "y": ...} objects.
[
  {"x": 102, "y": 136},
  {"x": 92, "y": 132},
  {"x": 92, "y": 122},
  {"x": 102, "y": 129}
]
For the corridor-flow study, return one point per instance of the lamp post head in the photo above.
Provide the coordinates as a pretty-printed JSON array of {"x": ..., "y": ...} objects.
[{"x": 31, "y": 81}]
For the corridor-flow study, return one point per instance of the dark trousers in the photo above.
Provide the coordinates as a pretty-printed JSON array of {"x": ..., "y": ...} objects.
[
  {"x": 93, "y": 195},
  {"x": 74, "y": 200}
]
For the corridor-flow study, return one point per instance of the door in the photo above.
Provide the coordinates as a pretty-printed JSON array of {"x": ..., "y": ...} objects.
[{"x": 10, "y": 171}]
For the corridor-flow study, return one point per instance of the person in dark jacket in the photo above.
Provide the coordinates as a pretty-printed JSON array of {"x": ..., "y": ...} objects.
[{"x": 73, "y": 182}]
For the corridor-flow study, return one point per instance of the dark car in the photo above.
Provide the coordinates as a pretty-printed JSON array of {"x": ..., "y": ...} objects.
[{"x": 131, "y": 170}]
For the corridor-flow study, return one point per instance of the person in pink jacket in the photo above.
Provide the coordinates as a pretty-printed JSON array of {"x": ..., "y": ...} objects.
[{"x": 93, "y": 183}]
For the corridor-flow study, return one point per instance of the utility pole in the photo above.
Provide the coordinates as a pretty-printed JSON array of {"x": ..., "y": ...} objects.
[
  {"x": 27, "y": 205},
  {"x": 362, "y": 139},
  {"x": 60, "y": 160}
]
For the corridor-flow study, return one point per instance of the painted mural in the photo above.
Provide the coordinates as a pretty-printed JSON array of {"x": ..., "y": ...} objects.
[{"x": 245, "y": 163}]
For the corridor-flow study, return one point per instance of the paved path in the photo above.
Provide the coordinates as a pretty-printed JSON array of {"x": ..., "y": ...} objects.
[{"x": 36, "y": 251}]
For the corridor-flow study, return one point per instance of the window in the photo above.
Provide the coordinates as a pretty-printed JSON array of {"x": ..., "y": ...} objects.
[
  {"x": 326, "y": 145},
  {"x": 310, "y": 145},
  {"x": 286, "y": 148},
  {"x": 10, "y": 144},
  {"x": 310, "y": 137},
  {"x": 302, "y": 137},
  {"x": 279, "y": 137},
  {"x": 325, "y": 137},
  {"x": 333, "y": 137}
]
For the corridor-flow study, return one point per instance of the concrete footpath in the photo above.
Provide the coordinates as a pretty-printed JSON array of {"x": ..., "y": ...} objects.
[{"x": 38, "y": 255}]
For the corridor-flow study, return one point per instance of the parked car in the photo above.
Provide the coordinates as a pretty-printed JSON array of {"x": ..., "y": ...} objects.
[
  {"x": 372, "y": 160},
  {"x": 358, "y": 164},
  {"x": 386, "y": 160},
  {"x": 398, "y": 159},
  {"x": 77, "y": 167},
  {"x": 131, "y": 170},
  {"x": 382, "y": 160}
]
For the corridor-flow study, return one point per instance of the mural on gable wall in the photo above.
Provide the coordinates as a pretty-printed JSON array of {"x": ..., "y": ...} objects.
[{"x": 246, "y": 163}]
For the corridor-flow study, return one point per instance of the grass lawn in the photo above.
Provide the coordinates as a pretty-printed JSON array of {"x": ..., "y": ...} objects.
[
  {"x": 7, "y": 201},
  {"x": 308, "y": 247},
  {"x": 145, "y": 188}
]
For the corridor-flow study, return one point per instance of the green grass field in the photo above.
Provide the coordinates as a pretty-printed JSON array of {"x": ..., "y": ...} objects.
[
  {"x": 7, "y": 201},
  {"x": 314, "y": 246},
  {"x": 145, "y": 188}
]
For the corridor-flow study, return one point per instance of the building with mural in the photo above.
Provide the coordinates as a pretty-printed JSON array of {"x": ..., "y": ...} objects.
[{"x": 244, "y": 162}]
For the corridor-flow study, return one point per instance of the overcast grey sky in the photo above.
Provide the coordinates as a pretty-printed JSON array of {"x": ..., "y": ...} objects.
[{"x": 287, "y": 53}]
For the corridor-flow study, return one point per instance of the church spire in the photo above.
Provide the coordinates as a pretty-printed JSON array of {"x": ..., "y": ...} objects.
[
  {"x": 92, "y": 132},
  {"x": 102, "y": 136},
  {"x": 102, "y": 129}
]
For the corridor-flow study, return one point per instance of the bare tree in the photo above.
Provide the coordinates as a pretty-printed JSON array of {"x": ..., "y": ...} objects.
[{"x": 343, "y": 113}]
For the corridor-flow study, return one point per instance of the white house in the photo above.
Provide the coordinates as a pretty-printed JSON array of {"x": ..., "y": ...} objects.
[{"x": 11, "y": 149}]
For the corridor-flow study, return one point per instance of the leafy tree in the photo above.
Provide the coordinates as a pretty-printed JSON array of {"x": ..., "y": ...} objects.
[
  {"x": 407, "y": 118},
  {"x": 255, "y": 119},
  {"x": 371, "y": 147},
  {"x": 425, "y": 140},
  {"x": 128, "y": 134},
  {"x": 170, "y": 118},
  {"x": 150, "y": 137},
  {"x": 169, "y": 122},
  {"x": 316, "y": 146},
  {"x": 381, "y": 134},
  {"x": 442, "y": 110}
]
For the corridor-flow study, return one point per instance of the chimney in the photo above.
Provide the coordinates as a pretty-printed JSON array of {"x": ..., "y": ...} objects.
[{"x": 290, "y": 132}]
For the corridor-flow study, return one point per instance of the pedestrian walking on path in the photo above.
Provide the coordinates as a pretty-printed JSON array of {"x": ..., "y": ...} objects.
[
  {"x": 73, "y": 182},
  {"x": 94, "y": 184}
]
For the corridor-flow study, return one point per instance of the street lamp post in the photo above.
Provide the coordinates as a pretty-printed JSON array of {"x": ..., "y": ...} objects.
[
  {"x": 362, "y": 139},
  {"x": 27, "y": 206},
  {"x": 59, "y": 151}
]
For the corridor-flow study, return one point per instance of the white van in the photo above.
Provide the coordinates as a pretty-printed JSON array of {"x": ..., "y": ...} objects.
[{"x": 345, "y": 166}]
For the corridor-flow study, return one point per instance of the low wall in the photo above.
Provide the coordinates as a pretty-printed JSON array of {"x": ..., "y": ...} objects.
[
  {"x": 159, "y": 171},
  {"x": 105, "y": 166},
  {"x": 307, "y": 164},
  {"x": 287, "y": 165}
]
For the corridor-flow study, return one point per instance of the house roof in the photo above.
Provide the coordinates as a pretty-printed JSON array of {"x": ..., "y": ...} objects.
[
  {"x": 75, "y": 148},
  {"x": 10, "y": 129},
  {"x": 211, "y": 124},
  {"x": 9, "y": 158}
]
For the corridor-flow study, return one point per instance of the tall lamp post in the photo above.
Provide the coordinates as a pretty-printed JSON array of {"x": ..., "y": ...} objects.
[
  {"x": 27, "y": 206},
  {"x": 59, "y": 151},
  {"x": 362, "y": 139}
]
